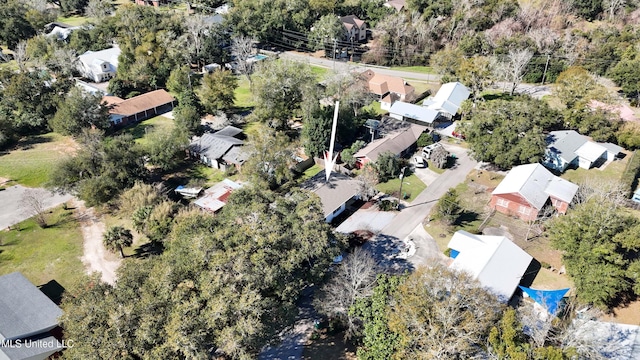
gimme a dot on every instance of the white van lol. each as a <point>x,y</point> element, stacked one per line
<point>426,151</point>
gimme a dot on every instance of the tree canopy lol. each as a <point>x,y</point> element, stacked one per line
<point>509,133</point>
<point>224,284</point>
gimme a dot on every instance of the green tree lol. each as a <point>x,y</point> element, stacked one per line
<point>575,87</point>
<point>188,113</point>
<point>325,33</point>
<point>116,238</point>
<point>179,81</point>
<point>270,159</point>
<point>14,27</point>
<point>73,6</point>
<point>316,134</point>
<point>217,91</point>
<point>166,150</point>
<point>388,166</point>
<point>278,88</point>
<point>27,101</point>
<point>588,9</point>
<point>597,241</point>
<point>136,197</point>
<point>507,340</point>
<point>509,133</point>
<point>347,154</point>
<point>80,110</point>
<point>101,169</point>
<point>448,207</point>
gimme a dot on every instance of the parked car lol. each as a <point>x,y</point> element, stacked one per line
<point>419,162</point>
<point>427,150</point>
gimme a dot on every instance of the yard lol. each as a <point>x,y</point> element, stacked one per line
<point>143,128</point>
<point>412,186</point>
<point>244,97</point>
<point>320,72</point>
<point>44,254</point>
<point>415,69</point>
<point>73,20</point>
<point>611,173</point>
<point>33,159</point>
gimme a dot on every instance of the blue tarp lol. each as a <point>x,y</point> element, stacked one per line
<point>550,299</point>
<point>453,253</point>
<point>180,187</point>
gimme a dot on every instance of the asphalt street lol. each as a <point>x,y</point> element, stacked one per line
<point>13,210</point>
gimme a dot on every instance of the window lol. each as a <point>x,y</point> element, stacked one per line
<point>502,202</point>
<point>524,210</point>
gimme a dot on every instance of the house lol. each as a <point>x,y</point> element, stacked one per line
<point>526,190</point>
<point>397,138</point>
<point>398,5</point>
<point>216,196</point>
<point>421,115</point>
<point>388,89</point>
<point>356,29</point>
<point>99,66</point>
<point>138,107</point>
<point>567,148</point>
<point>448,99</point>
<point>335,194</point>
<point>495,261</point>
<point>62,33</point>
<point>220,149</point>
<point>26,318</point>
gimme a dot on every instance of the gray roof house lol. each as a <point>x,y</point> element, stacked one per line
<point>220,149</point>
<point>567,148</point>
<point>26,317</point>
<point>335,194</point>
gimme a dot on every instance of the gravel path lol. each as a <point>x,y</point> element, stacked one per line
<point>96,258</point>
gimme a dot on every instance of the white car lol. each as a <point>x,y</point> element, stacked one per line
<point>426,151</point>
<point>419,162</point>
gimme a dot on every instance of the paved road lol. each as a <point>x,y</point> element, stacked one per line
<point>13,209</point>
<point>412,215</point>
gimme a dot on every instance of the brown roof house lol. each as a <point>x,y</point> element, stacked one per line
<point>335,194</point>
<point>389,89</point>
<point>139,107</point>
<point>220,149</point>
<point>26,318</point>
<point>356,29</point>
<point>396,137</point>
<point>527,189</point>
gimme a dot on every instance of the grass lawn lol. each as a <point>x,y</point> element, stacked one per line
<point>613,172</point>
<point>207,175</point>
<point>432,166</point>
<point>74,20</point>
<point>31,162</point>
<point>412,186</point>
<point>143,128</point>
<point>44,254</point>
<point>310,172</point>
<point>415,69</point>
<point>375,107</point>
<point>320,72</point>
<point>244,97</point>
<point>422,86</point>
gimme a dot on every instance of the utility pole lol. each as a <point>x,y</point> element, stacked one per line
<point>544,74</point>
<point>401,180</point>
<point>334,54</point>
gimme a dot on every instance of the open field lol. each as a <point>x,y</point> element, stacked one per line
<point>320,72</point>
<point>412,186</point>
<point>73,20</point>
<point>32,160</point>
<point>143,128</point>
<point>44,254</point>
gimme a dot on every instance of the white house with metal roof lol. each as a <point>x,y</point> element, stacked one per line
<point>411,112</point>
<point>448,99</point>
<point>99,66</point>
<point>566,148</point>
<point>495,261</point>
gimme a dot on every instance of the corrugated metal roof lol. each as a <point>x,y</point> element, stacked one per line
<point>591,151</point>
<point>535,183</point>
<point>449,98</point>
<point>495,261</point>
<point>412,111</point>
<point>214,146</point>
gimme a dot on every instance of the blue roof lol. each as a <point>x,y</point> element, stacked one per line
<point>549,299</point>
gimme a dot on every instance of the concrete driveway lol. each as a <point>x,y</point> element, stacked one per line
<point>12,209</point>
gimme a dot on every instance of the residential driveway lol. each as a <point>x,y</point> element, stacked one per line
<point>412,215</point>
<point>13,210</point>
<point>426,175</point>
<point>427,251</point>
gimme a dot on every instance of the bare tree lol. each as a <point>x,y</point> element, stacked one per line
<point>33,202</point>
<point>98,9</point>
<point>242,49</point>
<point>354,278</point>
<point>604,192</point>
<point>367,181</point>
<point>63,61</point>
<point>614,7</point>
<point>197,28</point>
<point>20,55</point>
<point>511,68</point>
